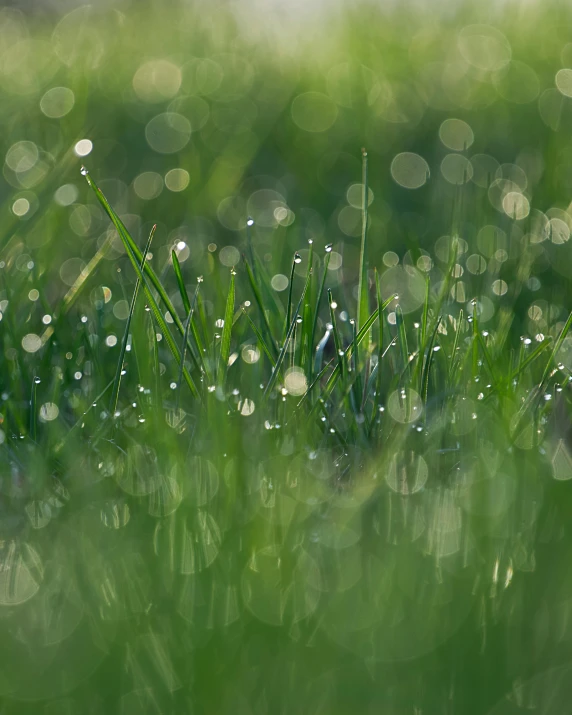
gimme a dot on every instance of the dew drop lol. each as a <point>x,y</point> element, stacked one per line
<point>83,171</point>
<point>329,247</point>
<point>297,258</point>
<point>250,221</point>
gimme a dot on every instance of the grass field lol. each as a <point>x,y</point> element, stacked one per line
<point>285,360</point>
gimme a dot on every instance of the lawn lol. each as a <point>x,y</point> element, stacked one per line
<point>285,356</point>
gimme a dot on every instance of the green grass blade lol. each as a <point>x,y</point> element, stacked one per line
<point>282,354</point>
<point>121,360</point>
<point>180,282</point>
<point>226,331</point>
<point>295,260</point>
<point>363,293</point>
<point>530,359</point>
<point>330,384</point>
<point>402,339</point>
<point>134,252</point>
<point>430,353</point>
<point>319,296</point>
<point>260,303</point>
<point>260,338</point>
<point>557,346</point>
<point>188,324</point>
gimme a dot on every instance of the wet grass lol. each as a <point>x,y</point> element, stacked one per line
<point>258,457</point>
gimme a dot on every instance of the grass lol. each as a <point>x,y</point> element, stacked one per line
<point>260,458</point>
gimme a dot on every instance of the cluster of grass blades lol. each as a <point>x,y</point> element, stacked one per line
<point>266,510</point>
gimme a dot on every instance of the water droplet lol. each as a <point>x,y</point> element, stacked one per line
<point>83,171</point>
<point>200,279</point>
<point>329,247</point>
<point>211,388</point>
<point>297,258</point>
<point>250,221</point>
<point>310,241</point>
<point>37,380</point>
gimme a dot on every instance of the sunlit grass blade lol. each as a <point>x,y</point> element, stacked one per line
<point>180,282</point>
<point>402,339</point>
<point>295,260</point>
<point>134,252</point>
<point>333,378</point>
<point>319,297</point>
<point>453,359</point>
<point>557,345</point>
<point>226,331</point>
<point>33,410</point>
<point>121,360</point>
<point>136,257</point>
<point>425,315</point>
<point>336,332</point>
<point>260,338</point>
<point>363,292</point>
<point>283,351</point>
<point>188,323</point>
<point>319,356</point>
<point>305,361</point>
<point>523,364</point>
<point>430,353</point>
<point>260,304</point>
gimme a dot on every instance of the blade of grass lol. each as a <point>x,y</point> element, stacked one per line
<point>135,257</point>
<point>557,346</point>
<point>295,260</point>
<point>121,360</point>
<point>348,352</point>
<point>531,358</point>
<point>363,299</point>
<point>226,331</point>
<point>428,362</point>
<point>180,282</point>
<point>259,302</point>
<point>282,354</point>
<point>188,323</point>
<point>260,338</point>
<point>319,300</point>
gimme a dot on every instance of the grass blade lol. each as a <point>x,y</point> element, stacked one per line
<point>363,293</point>
<point>259,302</point>
<point>121,361</point>
<point>136,257</point>
<point>180,282</point>
<point>557,346</point>
<point>282,354</point>
<point>226,331</point>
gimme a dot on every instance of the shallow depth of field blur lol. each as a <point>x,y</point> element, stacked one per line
<point>233,493</point>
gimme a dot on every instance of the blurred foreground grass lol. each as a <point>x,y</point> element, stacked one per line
<point>285,427</point>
